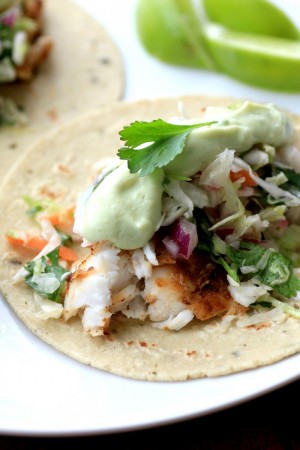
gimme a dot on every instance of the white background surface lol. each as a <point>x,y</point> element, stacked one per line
<point>45,392</point>
<point>147,77</point>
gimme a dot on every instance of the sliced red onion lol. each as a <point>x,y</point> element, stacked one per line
<point>213,188</point>
<point>172,246</point>
<point>224,232</point>
<point>282,223</point>
<point>265,243</point>
<point>9,17</point>
<point>184,235</point>
<point>246,192</point>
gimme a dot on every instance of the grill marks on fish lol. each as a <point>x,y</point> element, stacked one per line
<point>198,283</point>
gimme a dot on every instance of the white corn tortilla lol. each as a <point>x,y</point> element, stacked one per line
<point>83,72</point>
<point>135,349</point>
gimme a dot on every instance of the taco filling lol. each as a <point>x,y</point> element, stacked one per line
<point>194,220</point>
<point>22,46</point>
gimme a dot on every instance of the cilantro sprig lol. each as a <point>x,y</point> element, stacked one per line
<point>165,140</point>
<point>277,272</point>
<point>46,276</point>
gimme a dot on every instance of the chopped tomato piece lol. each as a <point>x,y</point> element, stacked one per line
<point>38,243</point>
<point>62,218</point>
<point>234,176</point>
<point>67,254</point>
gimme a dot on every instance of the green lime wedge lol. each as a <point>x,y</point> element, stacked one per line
<point>251,16</point>
<point>271,63</point>
<point>169,30</point>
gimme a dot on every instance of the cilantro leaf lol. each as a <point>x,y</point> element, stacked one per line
<point>165,140</point>
<point>247,255</point>
<point>205,235</point>
<point>158,154</point>
<point>231,270</point>
<point>46,276</point>
<point>290,287</point>
<point>277,272</point>
<point>138,133</point>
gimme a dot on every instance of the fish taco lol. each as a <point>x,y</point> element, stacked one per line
<point>159,240</point>
<point>82,71</point>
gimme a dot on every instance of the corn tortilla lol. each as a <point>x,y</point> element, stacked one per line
<point>83,72</point>
<point>135,349</point>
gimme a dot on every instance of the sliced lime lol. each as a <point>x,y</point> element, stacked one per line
<point>169,30</point>
<point>251,16</point>
<point>271,63</point>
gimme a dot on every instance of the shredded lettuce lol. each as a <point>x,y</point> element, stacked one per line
<point>293,178</point>
<point>246,293</point>
<point>20,48</point>
<point>256,158</point>
<point>278,179</point>
<point>288,309</point>
<point>46,276</point>
<point>216,179</point>
<point>47,309</point>
<point>278,194</point>
<point>273,214</point>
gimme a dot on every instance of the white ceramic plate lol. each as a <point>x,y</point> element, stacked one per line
<point>43,392</point>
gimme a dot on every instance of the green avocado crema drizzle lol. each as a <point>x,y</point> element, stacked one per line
<point>251,40</point>
<point>126,206</point>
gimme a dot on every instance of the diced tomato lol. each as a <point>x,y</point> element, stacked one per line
<point>234,176</point>
<point>62,218</point>
<point>67,254</point>
<point>38,243</point>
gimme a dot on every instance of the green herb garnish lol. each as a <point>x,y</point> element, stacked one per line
<point>46,276</point>
<point>277,272</point>
<point>249,254</point>
<point>165,140</point>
